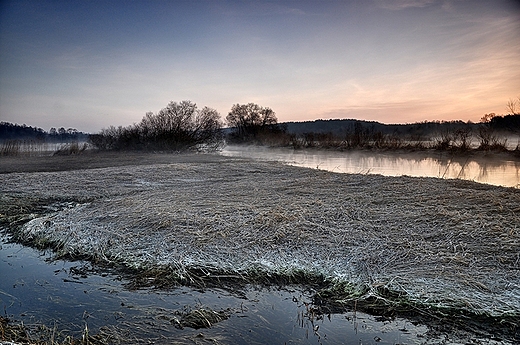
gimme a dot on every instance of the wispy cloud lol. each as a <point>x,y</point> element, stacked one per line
<point>404,4</point>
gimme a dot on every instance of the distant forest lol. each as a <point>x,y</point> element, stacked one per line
<point>11,131</point>
<point>418,130</point>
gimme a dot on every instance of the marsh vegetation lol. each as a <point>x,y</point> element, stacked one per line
<point>446,249</point>
<point>79,304</point>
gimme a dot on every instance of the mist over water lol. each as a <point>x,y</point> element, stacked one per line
<point>488,169</point>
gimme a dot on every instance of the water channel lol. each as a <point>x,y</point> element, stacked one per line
<point>494,169</point>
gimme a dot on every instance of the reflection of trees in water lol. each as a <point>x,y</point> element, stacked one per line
<point>480,169</point>
<point>484,169</point>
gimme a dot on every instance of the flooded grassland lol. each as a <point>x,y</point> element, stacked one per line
<point>444,250</point>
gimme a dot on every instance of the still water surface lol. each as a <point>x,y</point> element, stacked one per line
<point>503,171</point>
<point>58,294</point>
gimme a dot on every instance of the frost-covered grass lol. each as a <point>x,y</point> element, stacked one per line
<point>445,244</point>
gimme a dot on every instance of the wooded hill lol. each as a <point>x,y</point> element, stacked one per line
<point>12,131</point>
<point>338,128</point>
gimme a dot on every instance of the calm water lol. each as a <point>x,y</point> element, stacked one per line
<point>58,294</point>
<point>490,170</point>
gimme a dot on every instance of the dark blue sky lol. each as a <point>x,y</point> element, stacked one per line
<point>91,64</point>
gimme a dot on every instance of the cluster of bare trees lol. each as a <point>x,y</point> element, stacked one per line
<point>178,126</point>
<point>182,126</point>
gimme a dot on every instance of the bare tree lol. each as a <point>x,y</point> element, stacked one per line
<point>181,125</point>
<point>247,120</point>
<point>513,106</point>
<point>487,117</point>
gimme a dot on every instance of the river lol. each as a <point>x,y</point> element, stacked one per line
<point>499,170</point>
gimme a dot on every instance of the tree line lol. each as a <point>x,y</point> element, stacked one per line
<point>489,134</point>
<point>178,126</point>
<point>181,126</point>
<point>12,131</point>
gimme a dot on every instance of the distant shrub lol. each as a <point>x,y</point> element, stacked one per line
<point>443,141</point>
<point>462,138</point>
<point>489,140</point>
<point>10,148</point>
<point>453,138</point>
<point>73,148</point>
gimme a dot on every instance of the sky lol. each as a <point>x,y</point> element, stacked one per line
<point>90,64</point>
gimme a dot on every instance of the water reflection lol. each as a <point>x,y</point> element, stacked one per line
<point>59,294</point>
<point>495,170</point>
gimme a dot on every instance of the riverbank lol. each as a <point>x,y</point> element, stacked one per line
<point>448,248</point>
